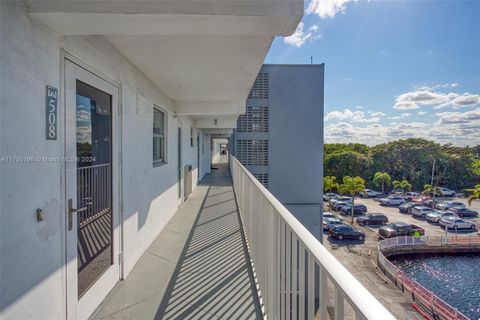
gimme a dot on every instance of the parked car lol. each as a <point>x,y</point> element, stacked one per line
<point>406,207</point>
<point>330,215</point>
<point>392,201</point>
<point>464,212</point>
<point>428,203</point>
<point>374,219</point>
<point>436,215</point>
<point>329,222</point>
<point>334,201</point>
<point>329,196</point>
<point>420,199</point>
<point>421,211</point>
<point>445,192</point>
<point>399,229</point>
<point>445,205</point>
<point>369,193</point>
<point>346,232</point>
<point>446,219</point>
<point>458,224</point>
<point>357,209</point>
<point>338,205</point>
<point>410,195</point>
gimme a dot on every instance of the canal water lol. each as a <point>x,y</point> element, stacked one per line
<point>453,278</point>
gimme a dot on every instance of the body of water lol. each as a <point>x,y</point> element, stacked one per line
<point>453,278</point>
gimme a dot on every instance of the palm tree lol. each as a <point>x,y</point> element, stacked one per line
<point>352,186</point>
<point>475,194</point>
<point>429,189</point>
<point>404,185</point>
<point>330,183</point>
<point>382,178</point>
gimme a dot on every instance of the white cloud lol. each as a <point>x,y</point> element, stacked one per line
<point>421,113</point>
<point>327,8</point>
<point>359,107</point>
<point>455,84</point>
<point>300,37</point>
<point>402,115</point>
<point>460,128</point>
<point>352,116</point>
<point>377,114</point>
<point>468,117</point>
<point>427,97</point>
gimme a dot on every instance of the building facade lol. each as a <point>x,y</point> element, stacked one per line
<point>280,137</point>
<point>107,111</point>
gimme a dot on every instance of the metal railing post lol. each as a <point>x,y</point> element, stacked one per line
<point>285,256</point>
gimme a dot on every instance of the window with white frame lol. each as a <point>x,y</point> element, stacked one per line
<point>159,136</point>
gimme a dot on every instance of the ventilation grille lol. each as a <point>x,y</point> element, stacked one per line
<point>252,152</point>
<point>260,87</point>
<point>262,178</point>
<point>254,120</point>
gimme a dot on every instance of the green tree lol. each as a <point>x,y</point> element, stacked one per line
<point>352,186</point>
<point>382,178</point>
<point>403,185</point>
<point>475,194</point>
<point>434,191</point>
<point>329,183</point>
<point>347,163</point>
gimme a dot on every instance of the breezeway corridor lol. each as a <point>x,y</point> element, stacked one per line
<point>197,268</point>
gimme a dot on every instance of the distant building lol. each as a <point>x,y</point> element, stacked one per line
<point>280,137</point>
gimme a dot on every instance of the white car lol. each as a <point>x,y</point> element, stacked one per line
<point>369,193</point>
<point>421,212</point>
<point>333,202</point>
<point>445,205</point>
<point>329,196</point>
<point>436,215</point>
<point>392,201</point>
<point>330,215</point>
<point>410,195</point>
<point>447,192</point>
<point>457,224</point>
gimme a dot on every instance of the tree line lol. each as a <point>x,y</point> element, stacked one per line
<point>410,160</point>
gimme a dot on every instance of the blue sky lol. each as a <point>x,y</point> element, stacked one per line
<point>393,69</point>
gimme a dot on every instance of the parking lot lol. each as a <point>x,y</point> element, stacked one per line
<point>359,257</point>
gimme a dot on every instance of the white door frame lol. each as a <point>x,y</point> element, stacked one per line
<point>180,161</point>
<point>82,308</point>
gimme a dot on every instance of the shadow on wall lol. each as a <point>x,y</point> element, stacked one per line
<point>213,276</point>
<point>143,209</point>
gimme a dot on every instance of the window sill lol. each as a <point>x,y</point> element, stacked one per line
<point>159,164</point>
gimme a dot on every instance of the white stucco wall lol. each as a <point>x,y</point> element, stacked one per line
<point>32,253</point>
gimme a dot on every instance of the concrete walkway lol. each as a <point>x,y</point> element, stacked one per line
<point>198,266</point>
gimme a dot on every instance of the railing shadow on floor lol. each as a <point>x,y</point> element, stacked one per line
<point>213,277</point>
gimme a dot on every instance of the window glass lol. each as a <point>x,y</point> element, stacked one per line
<point>159,130</point>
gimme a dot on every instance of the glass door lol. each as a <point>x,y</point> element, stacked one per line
<point>92,190</point>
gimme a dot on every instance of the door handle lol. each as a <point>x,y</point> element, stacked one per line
<point>70,212</point>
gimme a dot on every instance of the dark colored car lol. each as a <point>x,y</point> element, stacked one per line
<point>374,219</point>
<point>328,223</point>
<point>464,212</point>
<point>406,207</point>
<point>399,229</point>
<point>357,209</point>
<point>346,232</point>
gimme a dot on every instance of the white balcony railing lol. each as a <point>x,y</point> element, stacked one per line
<point>291,266</point>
